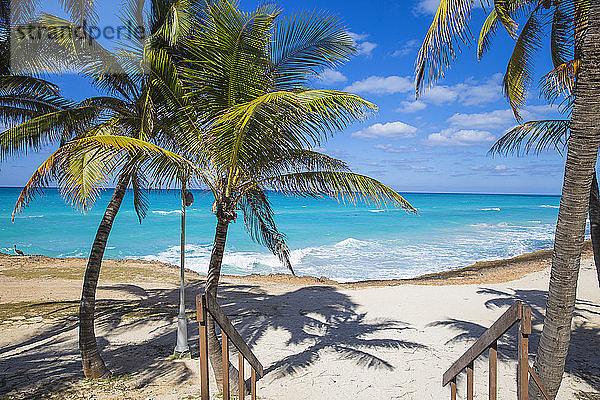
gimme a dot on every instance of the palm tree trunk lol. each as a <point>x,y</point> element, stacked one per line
<point>570,228</point>
<point>594,215</point>
<point>212,283</point>
<point>93,365</point>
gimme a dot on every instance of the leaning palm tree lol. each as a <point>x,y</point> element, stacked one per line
<point>135,106</point>
<point>573,26</point>
<point>247,76</point>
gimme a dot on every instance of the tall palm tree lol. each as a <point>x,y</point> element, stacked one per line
<point>247,76</point>
<point>136,106</point>
<point>573,50</point>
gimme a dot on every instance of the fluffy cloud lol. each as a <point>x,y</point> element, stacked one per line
<point>410,107</point>
<point>389,130</point>
<point>498,119</point>
<point>381,85</point>
<point>363,47</point>
<point>459,137</point>
<point>331,77</point>
<point>440,95</point>
<point>468,93</point>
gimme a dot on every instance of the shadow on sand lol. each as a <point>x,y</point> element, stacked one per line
<point>316,320</point>
<point>583,360</point>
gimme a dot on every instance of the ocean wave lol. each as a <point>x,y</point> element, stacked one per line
<point>490,209</point>
<point>548,206</point>
<point>159,212</point>
<point>377,211</point>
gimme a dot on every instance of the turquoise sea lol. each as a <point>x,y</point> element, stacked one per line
<point>344,243</point>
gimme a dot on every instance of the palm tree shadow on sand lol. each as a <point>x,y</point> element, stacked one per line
<point>583,360</point>
<point>318,321</point>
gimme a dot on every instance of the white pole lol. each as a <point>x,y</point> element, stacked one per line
<point>182,337</point>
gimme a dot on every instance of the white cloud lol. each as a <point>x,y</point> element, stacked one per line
<point>497,170</point>
<point>459,137</point>
<point>389,130</point>
<point>488,92</point>
<point>440,95</point>
<point>469,93</point>
<point>331,77</point>
<point>427,6</point>
<point>381,85</point>
<point>389,148</point>
<point>498,119</point>
<point>363,47</point>
<point>408,48</point>
<point>358,37</point>
<point>410,107</point>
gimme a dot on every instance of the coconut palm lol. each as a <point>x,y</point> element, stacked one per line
<point>134,78</point>
<point>247,76</point>
<point>536,136</point>
<point>572,35</point>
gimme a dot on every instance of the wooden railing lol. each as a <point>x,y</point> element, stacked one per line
<point>518,312</point>
<point>207,304</point>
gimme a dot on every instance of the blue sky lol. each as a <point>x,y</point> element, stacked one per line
<point>436,144</point>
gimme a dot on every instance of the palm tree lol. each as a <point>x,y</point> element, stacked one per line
<point>573,50</point>
<point>536,136</point>
<point>247,76</point>
<point>136,106</point>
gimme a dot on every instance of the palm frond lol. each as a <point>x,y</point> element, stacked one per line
<point>260,224</point>
<point>533,137</point>
<point>303,45</point>
<point>447,33</point>
<point>342,186</point>
<point>488,29</point>
<point>139,184</point>
<point>519,71</point>
<point>560,81</point>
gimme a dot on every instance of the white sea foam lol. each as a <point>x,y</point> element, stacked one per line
<point>376,211</point>
<point>548,206</point>
<point>490,209</point>
<point>352,259</point>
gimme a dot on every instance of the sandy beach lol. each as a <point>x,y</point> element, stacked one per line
<point>316,338</point>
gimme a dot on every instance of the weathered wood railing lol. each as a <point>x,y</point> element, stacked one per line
<point>207,304</point>
<point>518,312</point>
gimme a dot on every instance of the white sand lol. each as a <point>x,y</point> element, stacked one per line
<point>319,342</point>
<point>436,325</point>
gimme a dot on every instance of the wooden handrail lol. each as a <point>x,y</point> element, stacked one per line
<point>499,328</point>
<point>518,312</point>
<point>217,313</point>
<point>207,304</point>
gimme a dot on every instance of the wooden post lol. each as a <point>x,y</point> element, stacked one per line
<point>253,384</point>
<point>470,381</point>
<point>523,354</point>
<point>453,389</point>
<point>225,350</point>
<point>202,335</point>
<point>241,375</point>
<point>494,371</point>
